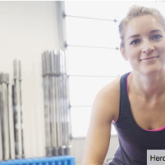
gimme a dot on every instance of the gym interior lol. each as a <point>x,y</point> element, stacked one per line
<point>56,56</point>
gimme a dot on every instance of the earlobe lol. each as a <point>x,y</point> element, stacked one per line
<point>122,50</point>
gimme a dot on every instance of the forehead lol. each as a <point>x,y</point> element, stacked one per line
<point>142,25</point>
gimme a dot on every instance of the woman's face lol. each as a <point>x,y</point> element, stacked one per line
<point>144,44</point>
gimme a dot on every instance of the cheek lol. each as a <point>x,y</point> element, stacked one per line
<point>133,60</point>
<point>161,50</point>
<point>133,54</point>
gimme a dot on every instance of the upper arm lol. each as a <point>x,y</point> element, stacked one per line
<point>98,136</point>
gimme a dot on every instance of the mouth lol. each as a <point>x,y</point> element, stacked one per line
<point>149,58</point>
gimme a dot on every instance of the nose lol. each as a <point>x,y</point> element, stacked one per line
<point>147,47</point>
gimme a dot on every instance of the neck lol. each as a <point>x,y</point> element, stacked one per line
<point>150,87</point>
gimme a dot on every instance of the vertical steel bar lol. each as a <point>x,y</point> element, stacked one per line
<point>53,90</point>
<point>49,66</point>
<point>46,101</point>
<point>45,96</point>
<point>14,121</point>
<point>21,110</point>
<point>11,122</point>
<point>5,132</point>
<point>68,123</point>
<point>56,65</point>
<point>58,103</point>
<point>18,140</point>
<point>5,78</point>
<point>63,102</point>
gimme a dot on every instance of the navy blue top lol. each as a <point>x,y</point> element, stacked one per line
<point>133,140</point>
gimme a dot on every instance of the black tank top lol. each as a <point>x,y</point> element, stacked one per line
<point>133,140</point>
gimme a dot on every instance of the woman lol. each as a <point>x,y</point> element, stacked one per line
<point>134,102</point>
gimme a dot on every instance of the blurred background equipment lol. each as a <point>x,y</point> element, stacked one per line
<point>4,78</point>
<point>56,103</point>
<point>11,119</point>
<point>56,114</point>
<point>17,109</point>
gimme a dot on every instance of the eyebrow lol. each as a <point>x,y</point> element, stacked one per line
<point>138,35</point>
<point>133,36</point>
<point>157,30</point>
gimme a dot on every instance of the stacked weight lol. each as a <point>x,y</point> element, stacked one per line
<point>56,104</point>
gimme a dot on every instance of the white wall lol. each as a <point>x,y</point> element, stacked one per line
<point>26,30</point>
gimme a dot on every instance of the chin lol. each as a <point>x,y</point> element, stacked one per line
<point>151,71</point>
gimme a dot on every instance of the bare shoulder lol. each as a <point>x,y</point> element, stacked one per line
<point>104,111</point>
<point>107,100</point>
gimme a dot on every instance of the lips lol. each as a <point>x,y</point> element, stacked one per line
<point>145,59</point>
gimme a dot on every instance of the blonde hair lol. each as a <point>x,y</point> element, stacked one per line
<point>136,11</point>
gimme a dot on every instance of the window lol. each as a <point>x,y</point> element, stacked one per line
<point>92,48</point>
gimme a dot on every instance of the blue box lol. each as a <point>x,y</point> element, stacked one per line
<point>55,160</point>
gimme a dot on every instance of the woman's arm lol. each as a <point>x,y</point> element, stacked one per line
<point>99,132</point>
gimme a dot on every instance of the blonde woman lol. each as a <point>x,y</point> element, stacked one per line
<point>134,102</point>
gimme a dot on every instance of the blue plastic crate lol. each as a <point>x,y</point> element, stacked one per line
<point>55,160</point>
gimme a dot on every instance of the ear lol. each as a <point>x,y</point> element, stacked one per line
<point>122,50</point>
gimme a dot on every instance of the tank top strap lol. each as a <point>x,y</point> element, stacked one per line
<point>124,108</point>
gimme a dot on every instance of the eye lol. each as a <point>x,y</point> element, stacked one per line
<point>134,42</point>
<point>156,37</point>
